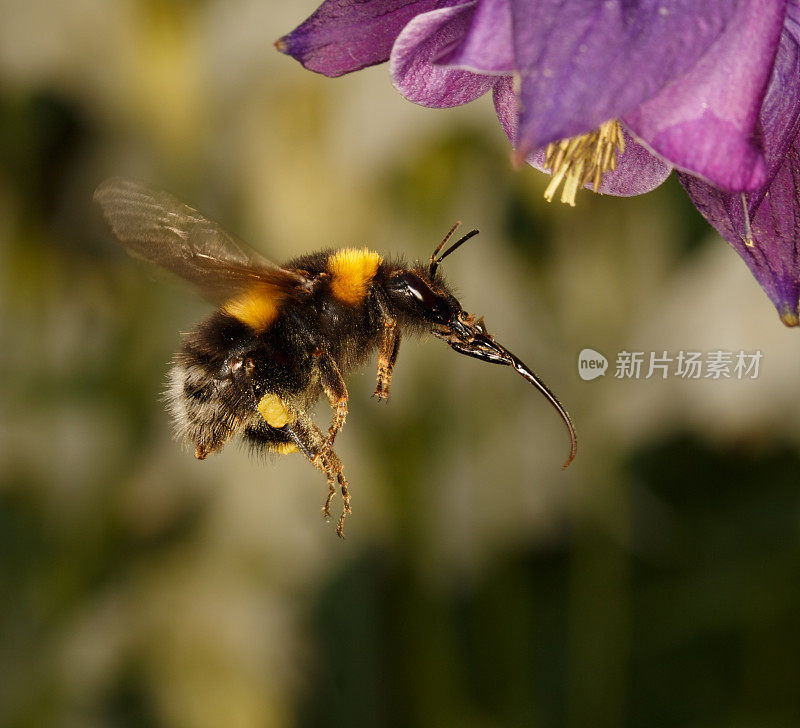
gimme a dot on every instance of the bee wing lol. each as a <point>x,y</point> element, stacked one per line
<point>158,227</point>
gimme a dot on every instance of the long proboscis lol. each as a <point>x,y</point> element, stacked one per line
<point>485,348</point>
<point>530,375</point>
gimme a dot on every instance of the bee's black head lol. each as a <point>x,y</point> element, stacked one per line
<point>421,300</point>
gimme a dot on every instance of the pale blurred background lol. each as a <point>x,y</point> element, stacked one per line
<point>656,582</point>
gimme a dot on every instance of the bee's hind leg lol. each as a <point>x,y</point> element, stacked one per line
<point>336,392</point>
<point>346,510</point>
<point>314,445</point>
<point>331,466</point>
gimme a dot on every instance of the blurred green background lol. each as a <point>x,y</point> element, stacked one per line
<point>656,582</point>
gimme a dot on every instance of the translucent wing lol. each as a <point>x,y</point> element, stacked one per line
<point>158,227</point>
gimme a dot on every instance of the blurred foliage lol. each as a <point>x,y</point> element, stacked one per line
<point>654,583</point>
<point>706,633</point>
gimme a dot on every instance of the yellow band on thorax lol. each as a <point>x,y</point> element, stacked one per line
<point>352,271</point>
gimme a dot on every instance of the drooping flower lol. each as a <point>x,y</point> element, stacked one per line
<point>763,226</point>
<point>611,95</point>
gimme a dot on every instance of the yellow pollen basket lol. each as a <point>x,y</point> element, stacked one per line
<point>283,448</point>
<point>257,308</point>
<point>352,270</point>
<point>582,159</point>
<point>273,410</point>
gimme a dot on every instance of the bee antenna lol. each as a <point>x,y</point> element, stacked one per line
<point>457,244</point>
<point>436,260</point>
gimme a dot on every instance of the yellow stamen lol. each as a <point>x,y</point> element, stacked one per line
<point>582,159</point>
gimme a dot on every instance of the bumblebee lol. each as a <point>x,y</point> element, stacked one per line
<point>284,335</point>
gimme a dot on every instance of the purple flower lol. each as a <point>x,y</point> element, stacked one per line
<point>611,94</point>
<point>763,226</point>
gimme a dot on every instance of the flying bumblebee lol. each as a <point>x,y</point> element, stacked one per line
<point>284,335</point>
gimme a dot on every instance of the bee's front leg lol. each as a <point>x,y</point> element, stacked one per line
<point>336,392</point>
<point>387,356</point>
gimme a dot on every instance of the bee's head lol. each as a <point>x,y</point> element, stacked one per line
<point>422,302</point>
<point>422,299</point>
<point>202,400</point>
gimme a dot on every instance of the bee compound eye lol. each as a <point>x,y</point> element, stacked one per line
<point>434,306</point>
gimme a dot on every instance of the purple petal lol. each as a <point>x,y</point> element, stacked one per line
<point>704,123</point>
<point>347,35</point>
<point>780,112</point>
<point>487,46</point>
<point>637,170</point>
<point>793,12</point>
<point>582,63</point>
<point>423,40</point>
<point>774,211</point>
